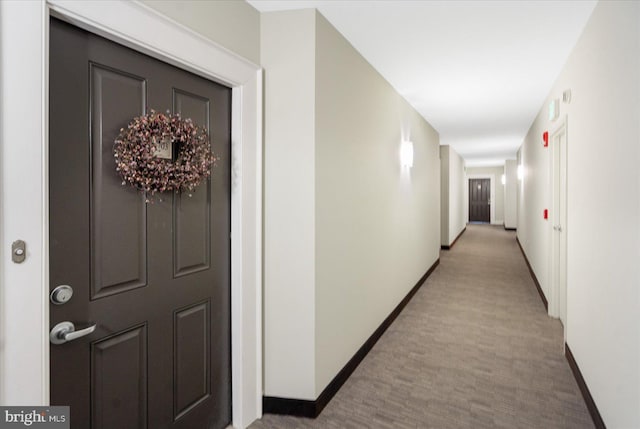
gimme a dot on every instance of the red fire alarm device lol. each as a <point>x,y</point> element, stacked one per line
<point>546,214</point>
<point>545,138</point>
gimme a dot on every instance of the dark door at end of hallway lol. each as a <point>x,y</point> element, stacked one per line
<point>479,200</point>
<point>153,278</point>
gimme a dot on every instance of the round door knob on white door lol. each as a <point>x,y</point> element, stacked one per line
<point>66,331</point>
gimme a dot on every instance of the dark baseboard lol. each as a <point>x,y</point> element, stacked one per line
<point>588,399</point>
<point>533,276</point>
<point>454,241</point>
<point>306,408</point>
<point>290,407</point>
<point>510,229</point>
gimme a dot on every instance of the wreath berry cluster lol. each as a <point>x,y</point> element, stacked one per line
<point>135,152</point>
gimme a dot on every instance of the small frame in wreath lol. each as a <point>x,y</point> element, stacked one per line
<point>163,147</point>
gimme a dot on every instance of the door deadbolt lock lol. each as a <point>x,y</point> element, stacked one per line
<point>61,294</point>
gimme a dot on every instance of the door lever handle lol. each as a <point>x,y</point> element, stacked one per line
<point>66,331</point>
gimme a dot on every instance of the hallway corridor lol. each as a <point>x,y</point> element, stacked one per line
<point>473,349</point>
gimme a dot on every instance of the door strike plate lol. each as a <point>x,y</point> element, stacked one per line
<point>18,251</point>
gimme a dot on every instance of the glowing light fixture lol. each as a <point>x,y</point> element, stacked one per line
<point>406,154</point>
<point>554,109</point>
<point>503,179</point>
<point>520,172</point>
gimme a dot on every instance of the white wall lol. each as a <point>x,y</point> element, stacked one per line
<point>534,195</point>
<point>603,232</point>
<point>457,221</point>
<point>377,224</point>
<point>451,195</point>
<point>233,24</point>
<point>497,191</point>
<point>288,56</point>
<point>444,195</point>
<point>511,193</point>
<point>347,231</point>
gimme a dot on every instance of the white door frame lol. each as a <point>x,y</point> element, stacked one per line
<point>558,230</point>
<point>492,198</point>
<point>24,183</point>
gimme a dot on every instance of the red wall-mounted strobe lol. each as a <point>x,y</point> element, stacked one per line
<point>545,138</point>
<point>545,214</point>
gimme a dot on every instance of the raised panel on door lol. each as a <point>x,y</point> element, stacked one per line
<point>192,210</point>
<point>119,380</point>
<point>118,213</point>
<point>192,347</point>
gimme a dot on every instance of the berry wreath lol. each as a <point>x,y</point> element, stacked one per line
<point>159,153</point>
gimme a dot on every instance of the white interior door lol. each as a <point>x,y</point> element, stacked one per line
<point>559,218</point>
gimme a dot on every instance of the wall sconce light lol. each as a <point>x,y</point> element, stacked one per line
<point>406,154</point>
<point>520,172</point>
<point>503,179</point>
<point>554,109</point>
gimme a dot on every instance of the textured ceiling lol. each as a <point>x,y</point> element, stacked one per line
<point>478,71</point>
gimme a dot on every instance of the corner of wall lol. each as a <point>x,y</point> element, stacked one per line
<point>288,55</point>
<point>444,195</point>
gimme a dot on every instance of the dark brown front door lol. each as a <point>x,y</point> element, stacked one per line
<point>154,278</point>
<point>479,195</point>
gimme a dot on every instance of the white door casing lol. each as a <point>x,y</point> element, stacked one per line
<point>558,254</point>
<point>24,50</point>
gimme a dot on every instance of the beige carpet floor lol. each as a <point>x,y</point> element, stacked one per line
<point>473,349</point>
